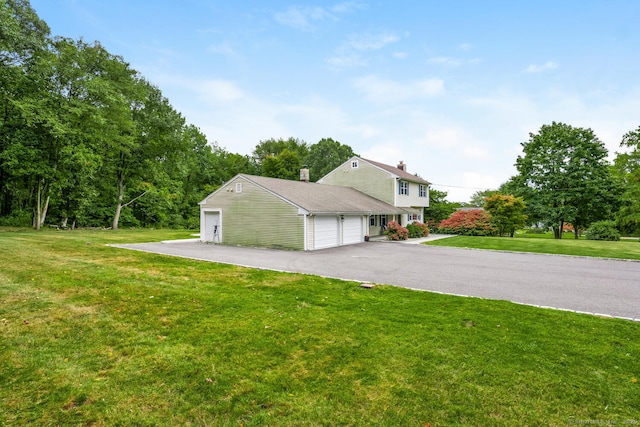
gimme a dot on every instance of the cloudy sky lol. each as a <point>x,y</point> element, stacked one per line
<point>452,88</point>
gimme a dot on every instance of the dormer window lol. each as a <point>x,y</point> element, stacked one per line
<point>403,188</point>
<point>354,164</point>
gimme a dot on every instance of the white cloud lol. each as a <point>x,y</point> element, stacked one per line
<point>346,61</point>
<point>219,90</point>
<point>465,46</point>
<point>222,49</point>
<point>382,90</point>
<point>349,54</point>
<point>445,60</point>
<point>347,7</point>
<point>453,62</point>
<point>306,18</point>
<point>475,153</point>
<point>303,18</point>
<point>369,41</point>
<point>550,65</point>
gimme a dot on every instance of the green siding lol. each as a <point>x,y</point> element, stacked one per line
<point>366,178</point>
<point>255,217</point>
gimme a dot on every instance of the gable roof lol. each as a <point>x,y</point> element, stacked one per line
<point>398,172</point>
<point>322,198</point>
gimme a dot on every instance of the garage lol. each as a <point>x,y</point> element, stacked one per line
<point>326,232</point>
<point>352,230</point>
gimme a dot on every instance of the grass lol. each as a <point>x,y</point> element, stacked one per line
<point>545,243</point>
<point>95,335</point>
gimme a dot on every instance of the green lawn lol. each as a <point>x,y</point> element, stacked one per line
<point>95,335</point>
<point>544,243</point>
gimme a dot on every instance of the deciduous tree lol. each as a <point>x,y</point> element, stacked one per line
<point>627,171</point>
<point>507,212</point>
<point>568,175</point>
<point>325,155</point>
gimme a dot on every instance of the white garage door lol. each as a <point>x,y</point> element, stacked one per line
<point>326,232</point>
<point>352,230</point>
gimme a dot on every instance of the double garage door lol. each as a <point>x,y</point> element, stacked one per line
<point>328,231</point>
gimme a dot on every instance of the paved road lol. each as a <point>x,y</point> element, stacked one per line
<point>588,285</point>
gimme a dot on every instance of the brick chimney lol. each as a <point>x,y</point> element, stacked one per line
<point>402,166</point>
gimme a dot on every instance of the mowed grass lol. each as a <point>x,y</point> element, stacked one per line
<point>546,244</point>
<point>96,335</point>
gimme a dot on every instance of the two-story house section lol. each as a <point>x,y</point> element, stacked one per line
<point>390,184</point>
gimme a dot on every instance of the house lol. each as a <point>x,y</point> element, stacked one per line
<point>392,185</point>
<point>259,211</point>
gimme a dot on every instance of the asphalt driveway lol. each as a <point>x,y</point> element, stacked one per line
<point>590,285</point>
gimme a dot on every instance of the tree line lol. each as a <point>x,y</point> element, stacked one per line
<point>565,179</point>
<point>85,140</point>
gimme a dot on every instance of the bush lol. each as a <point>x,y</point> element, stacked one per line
<point>603,230</point>
<point>417,229</point>
<point>395,231</point>
<point>20,218</point>
<point>476,222</point>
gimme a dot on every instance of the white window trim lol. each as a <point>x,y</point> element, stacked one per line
<point>403,188</point>
<point>238,187</point>
<point>354,164</point>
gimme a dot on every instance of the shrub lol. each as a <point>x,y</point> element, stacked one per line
<point>476,222</point>
<point>395,231</point>
<point>603,230</point>
<point>417,229</point>
<point>20,218</point>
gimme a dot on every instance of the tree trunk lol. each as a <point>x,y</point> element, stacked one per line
<point>41,211</point>
<point>576,233</point>
<point>116,217</point>
<point>43,217</point>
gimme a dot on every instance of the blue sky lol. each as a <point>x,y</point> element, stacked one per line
<point>451,88</point>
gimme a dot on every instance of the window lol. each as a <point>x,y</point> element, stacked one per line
<point>424,191</point>
<point>383,221</point>
<point>372,221</point>
<point>238,187</point>
<point>354,164</point>
<point>403,188</point>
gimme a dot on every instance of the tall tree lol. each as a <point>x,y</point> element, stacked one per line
<point>569,177</point>
<point>23,35</point>
<point>325,155</point>
<point>280,158</point>
<point>627,171</point>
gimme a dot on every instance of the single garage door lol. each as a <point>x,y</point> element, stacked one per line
<point>326,232</point>
<point>352,230</point>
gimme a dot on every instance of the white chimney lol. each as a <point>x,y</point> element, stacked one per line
<point>304,174</point>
